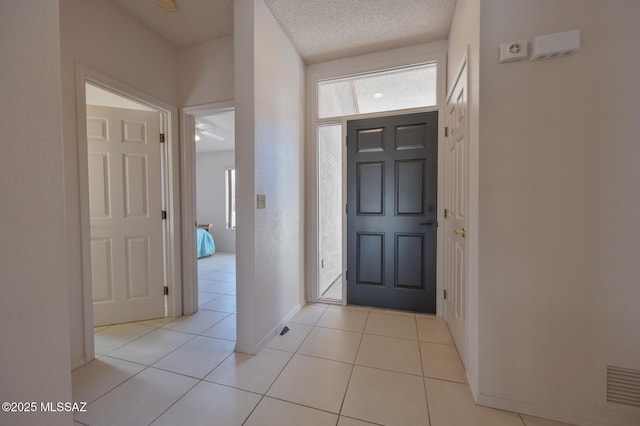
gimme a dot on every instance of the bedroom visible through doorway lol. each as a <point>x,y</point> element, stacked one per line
<point>215,178</point>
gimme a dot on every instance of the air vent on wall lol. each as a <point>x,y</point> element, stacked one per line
<point>623,386</point>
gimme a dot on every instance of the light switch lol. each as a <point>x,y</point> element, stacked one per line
<point>262,201</point>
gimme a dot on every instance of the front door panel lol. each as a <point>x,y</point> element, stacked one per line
<point>391,218</point>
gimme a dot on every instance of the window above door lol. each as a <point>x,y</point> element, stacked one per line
<point>405,88</point>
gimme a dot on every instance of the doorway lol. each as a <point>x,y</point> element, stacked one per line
<point>208,132</point>
<point>148,269</point>
<point>216,212</point>
<point>392,174</point>
<point>456,204</point>
<point>125,169</point>
<point>335,101</point>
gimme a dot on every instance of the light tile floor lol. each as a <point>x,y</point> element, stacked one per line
<point>345,366</point>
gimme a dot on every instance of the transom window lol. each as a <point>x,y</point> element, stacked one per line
<point>410,87</point>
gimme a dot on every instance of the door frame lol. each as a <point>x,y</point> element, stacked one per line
<point>169,126</point>
<point>188,117</point>
<point>470,355</point>
<point>366,64</point>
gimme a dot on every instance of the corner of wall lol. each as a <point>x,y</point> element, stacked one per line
<point>35,326</point>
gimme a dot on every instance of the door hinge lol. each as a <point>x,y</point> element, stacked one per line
<point>166,290</point>
<point>161,137</point>
<point>346,140</point>
<point>346,275</point>
<point>446,213</point>
<point>164,215</point>
<point>346,208</point>
<point>445,294</point>
<point>446,132</point>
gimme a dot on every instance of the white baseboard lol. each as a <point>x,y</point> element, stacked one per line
<point>582,418</point>
<point>78,361</point>
<point>254,349</point>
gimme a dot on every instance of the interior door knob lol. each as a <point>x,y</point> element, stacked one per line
<point>462,232</point>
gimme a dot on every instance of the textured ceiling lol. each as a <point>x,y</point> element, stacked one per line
<point>193,21</point>
<point>325,30</point>
<point>321,30</point>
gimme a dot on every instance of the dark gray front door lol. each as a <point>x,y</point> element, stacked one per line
<point>391,211</point>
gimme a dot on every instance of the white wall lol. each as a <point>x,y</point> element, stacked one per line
<point>34,307</point>
<point>100,35</point>
<point>269,96</point>
<point>558,209</point>
<point>210,196</point>
<point>205,72</point>
<point>464,41</point>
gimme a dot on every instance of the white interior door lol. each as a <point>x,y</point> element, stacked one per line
<point>456,213</point>
<point>125,202</point>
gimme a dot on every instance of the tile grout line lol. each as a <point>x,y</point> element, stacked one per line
<point>393,337</point>
<point>303,355</point>
<point>353,367</point>
<point>215,324</point>
<point>296,352</point>
<point>176,401</point>
<point>270,386</point>
<point>253,410</point>
<point>152,329</point>
<point>302,405</point>
<point>193,336</point>
<point>424,380</point>
<point>231,387</point>
<point>186,375</point>
<point>360,420</point>
<point>426,397</point>
<point>280,373</point>
<point>198,381</point>
<point>118,385</point>
<point>419,349</point>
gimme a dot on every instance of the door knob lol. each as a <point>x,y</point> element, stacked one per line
<point>462,232</point>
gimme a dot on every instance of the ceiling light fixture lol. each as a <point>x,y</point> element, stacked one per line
<point>197,137</point>
<point>377,95</point>
<point>167,5</point>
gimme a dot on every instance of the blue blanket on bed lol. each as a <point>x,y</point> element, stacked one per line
<point>206,246</point>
